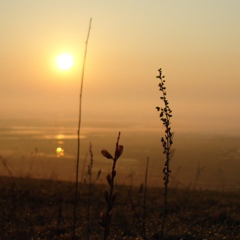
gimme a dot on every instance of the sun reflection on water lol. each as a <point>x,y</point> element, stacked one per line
<point>60,152</point>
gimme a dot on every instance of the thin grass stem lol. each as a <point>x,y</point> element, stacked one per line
<point>78,133</point>
<point>145,201</point>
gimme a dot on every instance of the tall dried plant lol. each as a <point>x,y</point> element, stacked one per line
<point>167,141</point>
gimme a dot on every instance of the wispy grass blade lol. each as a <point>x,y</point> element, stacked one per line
<point>79,131</point>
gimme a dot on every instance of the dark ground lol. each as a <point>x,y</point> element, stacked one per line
<point>43,209</point>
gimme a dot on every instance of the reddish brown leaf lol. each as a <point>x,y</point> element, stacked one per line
<point>106,154</point>
<point>119,151</point>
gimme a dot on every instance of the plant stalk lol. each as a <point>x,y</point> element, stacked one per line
<point>78,133</point>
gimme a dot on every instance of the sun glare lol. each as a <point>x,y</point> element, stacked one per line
<point>65,61</point>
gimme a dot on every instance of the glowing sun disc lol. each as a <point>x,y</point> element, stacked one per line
<point>65,61</point>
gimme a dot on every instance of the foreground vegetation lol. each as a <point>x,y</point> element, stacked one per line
<point>43,209</point>
<point>47,209</point>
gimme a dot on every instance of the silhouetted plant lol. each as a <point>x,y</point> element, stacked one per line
<point>110,196</point>
<point>90,166</point>
<point>98,174</point>
<point>4,163</point>
<point>145,202</point>
<point>83,175</point>
<point>78,135</point>
<point>165,116</point>
<point>197,176</point>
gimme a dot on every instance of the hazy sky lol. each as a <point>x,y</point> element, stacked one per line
<point>196,43</point>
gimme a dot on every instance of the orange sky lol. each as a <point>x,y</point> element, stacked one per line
<point>196,43</point>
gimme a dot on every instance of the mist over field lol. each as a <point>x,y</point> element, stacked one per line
<point>48,148</point>
<point>164,74</point>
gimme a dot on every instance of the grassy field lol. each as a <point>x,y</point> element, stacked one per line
<point>43,209</point>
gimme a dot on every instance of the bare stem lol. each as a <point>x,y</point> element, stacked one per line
<point>145,201</point>
<point>90,166</point>
<point>78,133</point>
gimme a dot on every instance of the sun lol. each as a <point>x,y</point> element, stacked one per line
<point>65,61</point>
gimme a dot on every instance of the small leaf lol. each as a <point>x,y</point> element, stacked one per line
<point>158,108</point>
<point>109,179</point>
<point>119,151</point>
<point>106,154</point>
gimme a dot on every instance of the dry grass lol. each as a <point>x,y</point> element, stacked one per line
<point>42,209</point>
